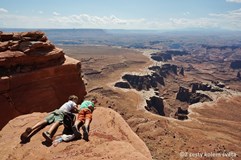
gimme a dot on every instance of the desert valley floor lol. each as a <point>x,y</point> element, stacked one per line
<point>211,127</point>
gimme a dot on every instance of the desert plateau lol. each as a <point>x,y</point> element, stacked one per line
<point>160,96</point>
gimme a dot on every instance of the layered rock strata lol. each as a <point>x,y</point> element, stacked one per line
<point>35,75</point>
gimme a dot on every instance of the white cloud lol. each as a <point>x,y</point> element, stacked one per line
<point>40,12</point>
<point>226,20</point>
<point>56,13</point>
<point>193,23</point>
<point>2,10</point>
<point>229,20</point>
<point>234,1</point>
<point>85,20</point>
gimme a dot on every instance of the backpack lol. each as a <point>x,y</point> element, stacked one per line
<point>68,121</point>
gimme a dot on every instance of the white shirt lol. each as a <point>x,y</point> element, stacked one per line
<point>68,106</point>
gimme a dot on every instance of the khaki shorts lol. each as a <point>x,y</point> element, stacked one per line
<point>55,116</point>
<point>84,114</point>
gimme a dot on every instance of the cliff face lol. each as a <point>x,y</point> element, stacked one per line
<point>191,97</point>
<point>35,75</point>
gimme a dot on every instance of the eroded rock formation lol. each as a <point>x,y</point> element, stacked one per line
<point>191,97</point>
<point>144,82</point>
<point>181,114</point>
<point>165,69</point>
<point>215,87</point>
<point>167,55</point>
<point>35,75</point>
<point>27,51</point>
<point>183,94</point>
<point>122,85</point>
<point>181,72</point>
<point>161,57</point>
<point>155,105</point>
<point>200,86</point>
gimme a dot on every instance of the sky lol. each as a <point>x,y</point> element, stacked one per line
<point>122,14</point>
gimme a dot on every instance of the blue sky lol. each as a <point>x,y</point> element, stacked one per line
<point>121,14</point>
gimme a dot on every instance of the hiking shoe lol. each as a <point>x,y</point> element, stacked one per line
<point>86,133</point>
<point>47,136</point>
<point>77,134</point>
<point>25,134</point>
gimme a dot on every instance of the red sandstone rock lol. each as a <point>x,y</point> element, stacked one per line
<point>27,51</point>
<point>41,90</point>
<point>6,36</point>
<point>41,80</point>
<point>110,138</point>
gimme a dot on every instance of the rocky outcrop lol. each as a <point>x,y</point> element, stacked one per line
<point>181,114</point>
<point>215,87</point>
<point>140,82</point>
<point>155,105</point>
<point>198,97</point>
<point>181,72</point>
<point>183,94</point>
<point>165,69</point>
<point>37,77</point>
<point>161,57</point>
<point>122,85</point>
<point>110,138</point>
<point>191,97</point>
<point>200,86</point>
<point>144,82</point>
<point>27,51</point>
<point>167,55</point>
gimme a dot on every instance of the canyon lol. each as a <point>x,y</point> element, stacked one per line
<point>175,100</point>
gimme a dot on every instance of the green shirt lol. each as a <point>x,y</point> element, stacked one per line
<point>86,104</point>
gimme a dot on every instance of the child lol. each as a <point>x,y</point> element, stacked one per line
<point>55,117</point>
<point>84,118</point>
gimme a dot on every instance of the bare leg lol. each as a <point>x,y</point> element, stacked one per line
<point>76,124</point>
<point>53,127</point>
<point>86,129</point>
<point>29,130</point>
<point>39,124</point>
<point>87,123</point>
<point>75,129</point>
